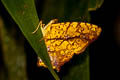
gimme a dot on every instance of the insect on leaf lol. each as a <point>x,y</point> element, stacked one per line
<point>65,39</point>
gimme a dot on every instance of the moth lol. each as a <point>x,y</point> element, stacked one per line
<point>65,39</point>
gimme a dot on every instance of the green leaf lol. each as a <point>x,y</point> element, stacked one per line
<point>65,10</point>
<point>95,4</point>
<point>24,14</point>
<point>80,69</point>
<point>70,10</point>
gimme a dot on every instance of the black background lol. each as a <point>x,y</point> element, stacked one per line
<point>105,51</point>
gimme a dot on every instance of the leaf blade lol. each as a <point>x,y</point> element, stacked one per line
<point>24,14</point>
<point>95,4</point>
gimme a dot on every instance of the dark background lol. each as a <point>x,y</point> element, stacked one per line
<point>104,52</point>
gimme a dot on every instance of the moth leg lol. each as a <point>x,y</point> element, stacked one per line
<point>44,27</point>
<point>39,25</point>
<point>51,22</point>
